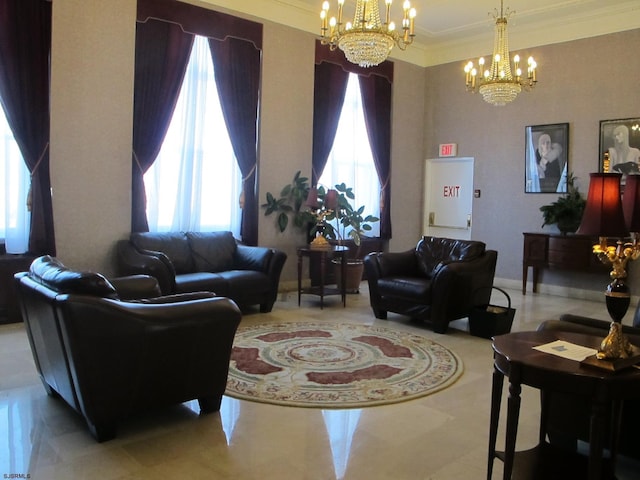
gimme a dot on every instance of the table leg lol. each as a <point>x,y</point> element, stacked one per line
<point>323,258</point>
<point>513,413</point>
<point>343,272</point>
<point>536,272</point>
<point>496,399</point>
<point>596,440</point>
<point>616,419</point>
<point>525,273</point>
<point>299,277</point>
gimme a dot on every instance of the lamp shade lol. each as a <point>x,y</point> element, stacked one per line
<point>603,215</point>
<point>331,199</point>
<point>631,203</point>
<point>312,198</point>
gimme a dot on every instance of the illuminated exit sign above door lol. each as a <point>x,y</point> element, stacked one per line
<point>448,149</point>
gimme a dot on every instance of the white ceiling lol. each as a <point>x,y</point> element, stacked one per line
<point>454,30</point>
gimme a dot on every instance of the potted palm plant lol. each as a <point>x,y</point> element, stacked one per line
<point>566,212</point>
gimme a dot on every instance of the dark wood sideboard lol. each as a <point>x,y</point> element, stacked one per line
<point>557,251</point>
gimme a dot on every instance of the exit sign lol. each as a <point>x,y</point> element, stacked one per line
<point>448,149</point>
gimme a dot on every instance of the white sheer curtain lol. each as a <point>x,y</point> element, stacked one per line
<point>14,178</point>
<point>194,184</point>
<point>351,160</point>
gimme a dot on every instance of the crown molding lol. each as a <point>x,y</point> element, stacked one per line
<point>564,22</point>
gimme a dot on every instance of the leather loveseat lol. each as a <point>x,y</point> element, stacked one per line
<point>438,281</point>
<point>205,261</point>
<point>568,416</point>
<point>109,358</point>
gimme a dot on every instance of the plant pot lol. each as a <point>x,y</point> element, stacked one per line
<point>353,274</point>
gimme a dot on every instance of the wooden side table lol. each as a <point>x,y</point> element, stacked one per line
<point>515,358</point>
<point>323,255</point>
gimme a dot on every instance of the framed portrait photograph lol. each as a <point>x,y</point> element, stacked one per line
<point>621,140</point>
<point>546,158</point>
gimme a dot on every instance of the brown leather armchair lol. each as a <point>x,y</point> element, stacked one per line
<point>568,416</point>
<point>109,358</point>
<point>440,280</point>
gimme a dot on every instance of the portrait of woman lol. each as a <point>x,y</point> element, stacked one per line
<point>546,158</point>
<point>620,139</point>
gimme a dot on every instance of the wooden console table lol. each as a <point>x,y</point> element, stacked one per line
<point>515,358</point>
<point>557,251</point>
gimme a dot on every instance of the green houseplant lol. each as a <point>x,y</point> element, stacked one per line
<point>339,224</point>
<point>566,212</point>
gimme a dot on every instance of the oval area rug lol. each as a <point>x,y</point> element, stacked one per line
<point>336,365</point>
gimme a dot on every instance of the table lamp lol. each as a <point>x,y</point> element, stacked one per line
<point>604,217</point>
<point>322,205</point>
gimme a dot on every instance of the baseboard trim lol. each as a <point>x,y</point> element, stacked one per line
<point>558,290</point>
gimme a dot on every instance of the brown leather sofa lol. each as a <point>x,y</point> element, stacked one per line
<point>109,357</point>
<point>205,261</point>
<point>438,281</point>
<point>568,416</point>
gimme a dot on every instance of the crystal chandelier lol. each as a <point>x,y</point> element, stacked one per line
<point>498,85</point>
<point>367,41</point>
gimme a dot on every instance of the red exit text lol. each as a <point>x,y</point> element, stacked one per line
<point>452,190</point>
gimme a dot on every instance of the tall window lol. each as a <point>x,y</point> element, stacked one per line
<point>351,160</point>
<point>14,178</point>
<point>194,184</point>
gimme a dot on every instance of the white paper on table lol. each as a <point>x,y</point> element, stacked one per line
<point>567,350</point>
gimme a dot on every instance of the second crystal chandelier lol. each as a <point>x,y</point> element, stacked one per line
<point>499,84</point>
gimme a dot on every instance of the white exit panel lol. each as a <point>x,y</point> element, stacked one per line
<point>448,198</point>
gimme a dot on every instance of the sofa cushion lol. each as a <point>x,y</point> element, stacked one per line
<point>431,251</point>
<point>173,244</point>
<point>414,289</point>
<point>50,272</point>
<point>202,281</point>
<point>212,251</point>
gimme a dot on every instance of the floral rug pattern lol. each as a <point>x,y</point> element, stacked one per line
<point>336,365</point>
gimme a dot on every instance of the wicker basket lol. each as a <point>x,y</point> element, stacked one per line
<point>488,321</point>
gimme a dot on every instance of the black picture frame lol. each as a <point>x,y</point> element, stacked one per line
<point>627,145</point>
<point>546,172</point>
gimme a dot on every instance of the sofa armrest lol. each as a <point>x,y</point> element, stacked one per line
<point>385,264</point>
<point>458,286</point>
<point>252,258</point>
<point>133,287</point>
<point>132,261</point>
<point>177,297</point>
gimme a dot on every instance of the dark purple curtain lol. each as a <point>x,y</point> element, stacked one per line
<point>330,86</point>
<point>376,101</point>
<point>162,54</point>
<point>25,45</point>
<point>375,85</point>
<point>158,85</point>
<point>237,71</point>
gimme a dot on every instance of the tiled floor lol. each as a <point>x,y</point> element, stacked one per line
<point>438,437</point>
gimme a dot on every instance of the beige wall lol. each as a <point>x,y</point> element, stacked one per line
<point>91,128</point>
<point>581,83</point>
